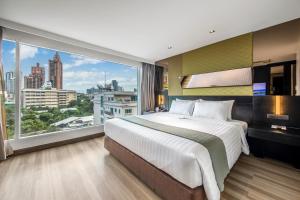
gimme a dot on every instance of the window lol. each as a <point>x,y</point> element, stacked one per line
<point>62,91</point>
<point>9,74</point>
<point>128,111</point>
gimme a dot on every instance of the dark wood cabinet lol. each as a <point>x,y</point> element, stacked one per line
<point>283,145</point>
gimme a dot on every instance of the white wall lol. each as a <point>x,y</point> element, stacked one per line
<point>40,38</point>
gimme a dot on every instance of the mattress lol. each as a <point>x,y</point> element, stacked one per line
<point>183,159</point>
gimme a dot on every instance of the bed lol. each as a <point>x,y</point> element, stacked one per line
<point>174,167</point>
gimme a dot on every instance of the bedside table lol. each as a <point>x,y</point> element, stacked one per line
<point>283,145</point>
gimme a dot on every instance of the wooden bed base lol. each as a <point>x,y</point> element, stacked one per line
<point>161,183</point>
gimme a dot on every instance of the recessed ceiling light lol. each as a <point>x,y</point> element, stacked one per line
<point>170,47</point>
<point>212,31</point>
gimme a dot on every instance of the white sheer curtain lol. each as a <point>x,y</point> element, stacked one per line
<point>2,109</point>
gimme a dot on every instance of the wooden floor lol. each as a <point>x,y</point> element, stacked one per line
<point>85,171</point>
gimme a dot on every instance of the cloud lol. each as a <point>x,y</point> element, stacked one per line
<point>83,75</point>
<point>26,52</point>
<point>80,60</point>
<point>82,80</point>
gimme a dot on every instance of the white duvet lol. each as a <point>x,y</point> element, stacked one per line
<point>183,159</point>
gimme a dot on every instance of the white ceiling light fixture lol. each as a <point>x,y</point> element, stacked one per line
<point>212,31</point>
<point>170,47</point>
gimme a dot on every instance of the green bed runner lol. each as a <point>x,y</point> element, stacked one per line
<point>213,144</point>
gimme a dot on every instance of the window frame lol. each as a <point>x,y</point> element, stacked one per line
<point>19,142</point>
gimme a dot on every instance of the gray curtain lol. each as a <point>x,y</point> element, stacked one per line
<point>147,87</point>
<point>2,109</point>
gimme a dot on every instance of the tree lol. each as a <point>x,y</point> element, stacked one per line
<point>45,117</point>
<point>72,103</point>
<point>30,125</point>
<point>29,116</point>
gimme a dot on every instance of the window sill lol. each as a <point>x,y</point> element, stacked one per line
<point>50,138</point>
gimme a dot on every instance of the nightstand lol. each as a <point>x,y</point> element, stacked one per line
<point>283,145</point>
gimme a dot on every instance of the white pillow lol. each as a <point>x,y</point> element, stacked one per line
<point>188,100</point>
<point>211,109</point>
<point>229,105</point>
<point>182,107</point>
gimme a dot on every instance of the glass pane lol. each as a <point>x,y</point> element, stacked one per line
<point>9,68</point>
<point>63,91</point>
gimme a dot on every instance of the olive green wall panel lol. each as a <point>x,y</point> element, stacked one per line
<point>228,54</point>
<point>174,70</point>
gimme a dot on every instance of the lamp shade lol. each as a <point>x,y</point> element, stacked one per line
<point>161,100</point>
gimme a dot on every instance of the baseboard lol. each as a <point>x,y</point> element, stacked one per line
<point>56,144</point>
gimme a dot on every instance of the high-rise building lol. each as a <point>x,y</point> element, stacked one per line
<point>37,77</point>
<point>115,85</point>
<point>10,82</point>
<point>56,72</point>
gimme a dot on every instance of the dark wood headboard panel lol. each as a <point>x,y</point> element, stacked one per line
<point>242,108</point>
<point>263,105</point>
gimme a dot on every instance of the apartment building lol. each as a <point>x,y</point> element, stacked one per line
<point>108,105</point>
<point>46,98</point>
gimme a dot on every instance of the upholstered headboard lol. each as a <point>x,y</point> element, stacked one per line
<point>242,108</point>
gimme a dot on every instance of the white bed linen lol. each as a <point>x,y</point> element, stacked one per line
<point>183,159</point>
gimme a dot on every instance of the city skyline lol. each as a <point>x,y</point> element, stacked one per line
<point>79,73</point>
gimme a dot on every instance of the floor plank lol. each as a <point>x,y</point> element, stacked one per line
<point>85,170</point>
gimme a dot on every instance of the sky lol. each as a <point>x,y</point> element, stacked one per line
<point>79,73</point>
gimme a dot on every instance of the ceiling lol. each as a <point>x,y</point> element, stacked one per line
<point>146,28</point>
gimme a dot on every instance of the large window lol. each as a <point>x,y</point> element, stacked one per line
<point>61,91</point>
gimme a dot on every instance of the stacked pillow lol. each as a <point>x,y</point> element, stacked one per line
<point>200,108</point>
<point>228,104</point>
<point>182,107</point>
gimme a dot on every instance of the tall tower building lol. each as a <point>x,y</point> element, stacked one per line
<point>56,72</point>
<point>115,85</point>
<point>10,82</point>
<point>37,77</point>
